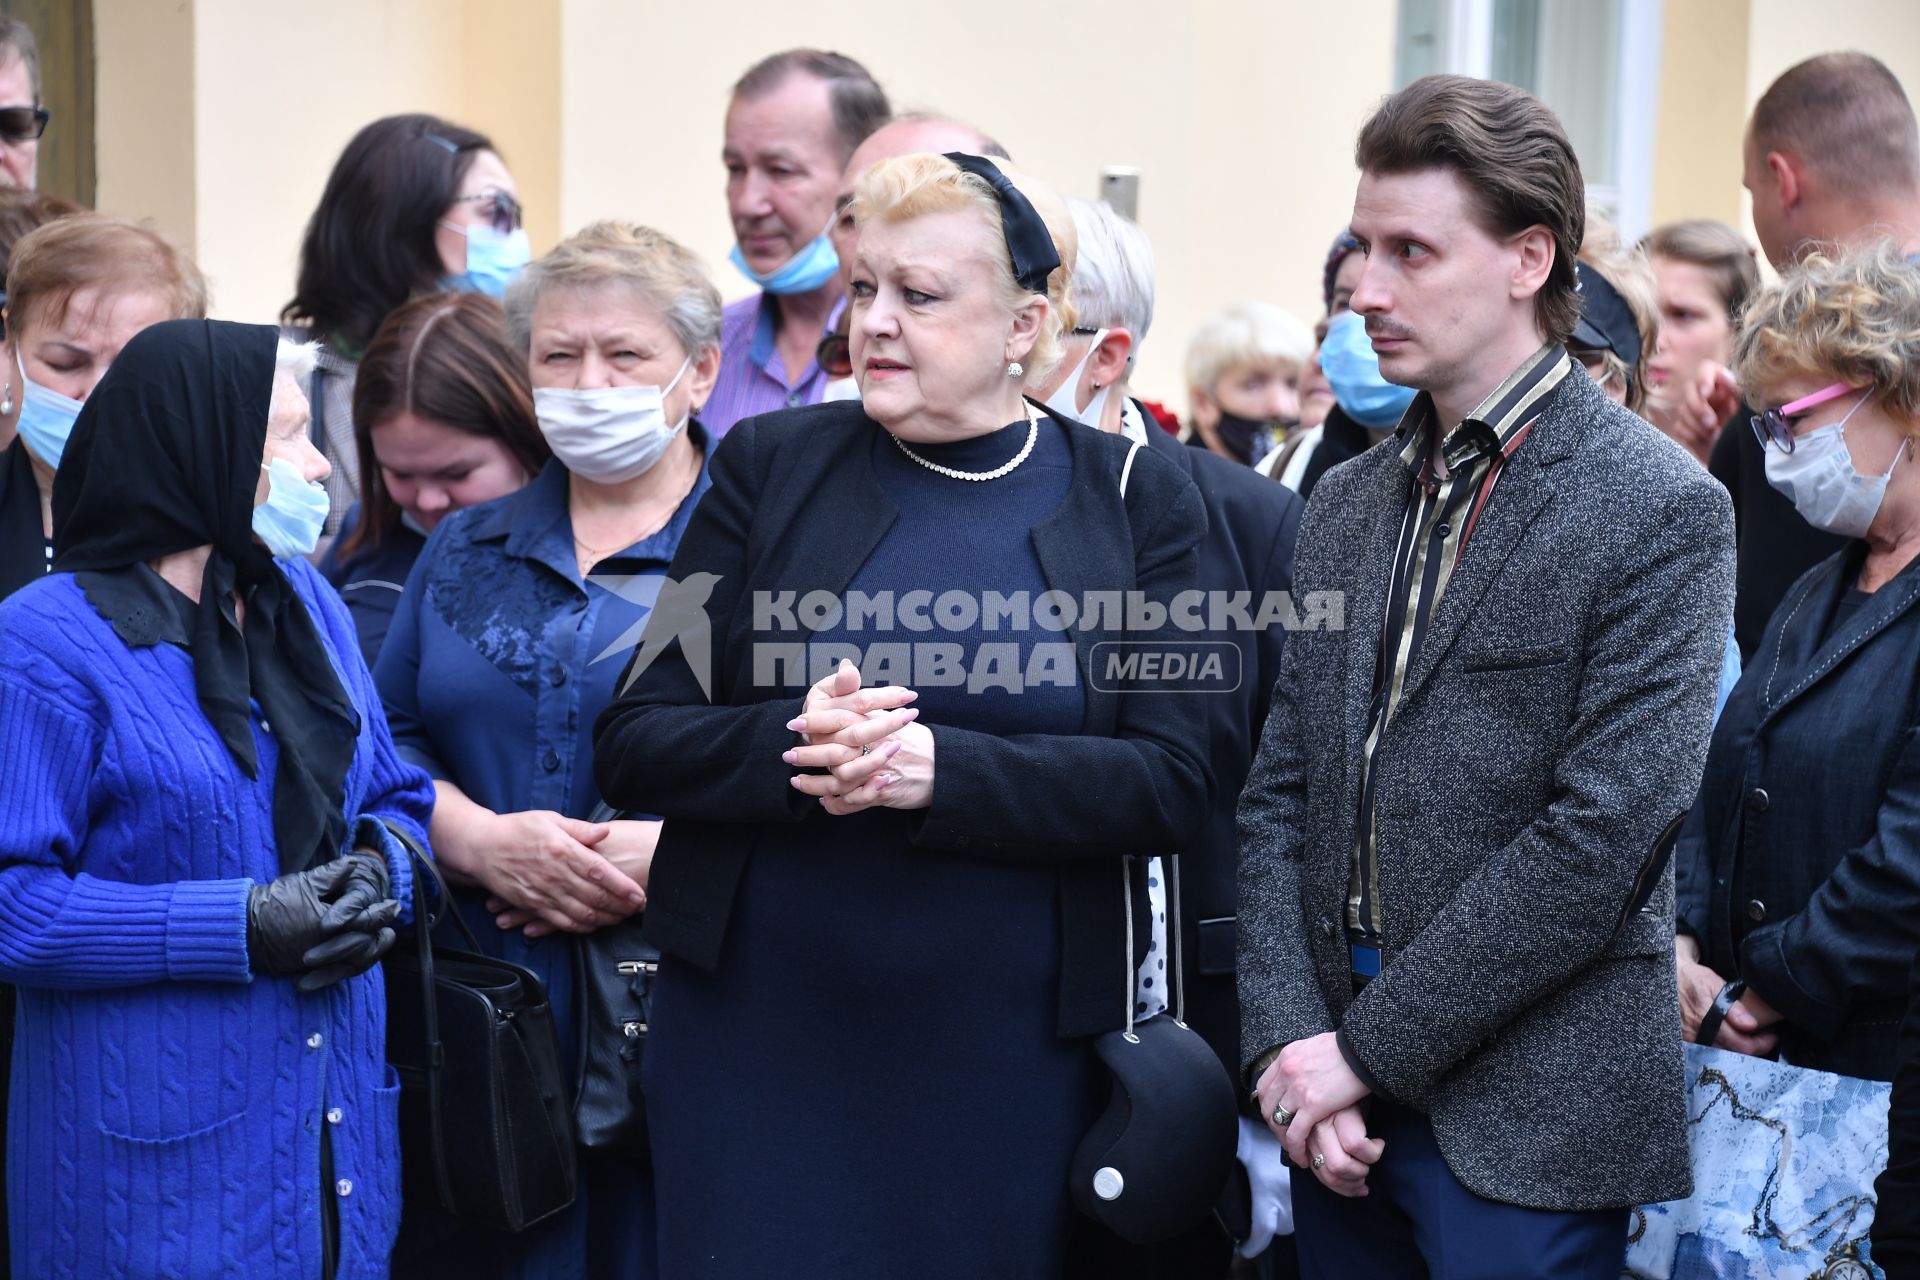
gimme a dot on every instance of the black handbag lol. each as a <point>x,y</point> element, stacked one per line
<point>614,972</point>
<point>484,1127</point>
<point>1156,1160</point>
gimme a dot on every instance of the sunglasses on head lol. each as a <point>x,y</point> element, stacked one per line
<point>1775,426</point>
<point>23,124</point>
<point>499,208</point>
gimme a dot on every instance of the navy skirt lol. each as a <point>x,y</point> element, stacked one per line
<point>870,1084</point>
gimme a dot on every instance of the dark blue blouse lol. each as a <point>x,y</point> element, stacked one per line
<point>500,657</point>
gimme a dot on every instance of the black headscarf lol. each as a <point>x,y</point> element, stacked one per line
<point>166,457</point>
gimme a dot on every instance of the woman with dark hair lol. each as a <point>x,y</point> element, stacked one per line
<point>442,419</point>
<point>414,204</point>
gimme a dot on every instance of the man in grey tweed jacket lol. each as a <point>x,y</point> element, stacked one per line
<point>1456,946</point>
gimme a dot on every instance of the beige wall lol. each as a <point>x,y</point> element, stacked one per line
<point>220,119</point>
<point>1240,118</point>
<point>145,154</point>
<point>1703,81</point>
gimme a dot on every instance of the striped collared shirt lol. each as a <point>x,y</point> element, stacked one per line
<point>1454,476</point>
<point>753,379</point>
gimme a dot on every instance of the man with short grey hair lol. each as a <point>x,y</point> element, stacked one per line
<point>793,123</point>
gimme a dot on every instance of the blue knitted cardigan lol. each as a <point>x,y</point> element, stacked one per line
<point>168,1104</point>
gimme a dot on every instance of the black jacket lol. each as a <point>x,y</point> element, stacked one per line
<point>1341,438</point>
<point>1775,545</point>
<point>1252,523</point>
<point>1799,866</point>
<point>795,507</point>
<point>23,542</point>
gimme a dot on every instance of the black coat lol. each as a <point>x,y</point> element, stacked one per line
<point>795,507</point>
<point>1252,523</point>
<point>23,540</point>
<point>1775,545</point>
<point>1799,867</point>
<point>1896,1216</point>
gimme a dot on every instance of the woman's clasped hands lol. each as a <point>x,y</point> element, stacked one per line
<point>869,742</point>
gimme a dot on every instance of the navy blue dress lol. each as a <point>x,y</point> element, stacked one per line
<point>871,1083</point>
<point>371,579</point>
<point>497,662</point>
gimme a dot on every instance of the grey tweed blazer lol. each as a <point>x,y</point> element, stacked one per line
<point>1555,721</point>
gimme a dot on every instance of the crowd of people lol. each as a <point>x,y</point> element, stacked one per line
<point>951,734</point>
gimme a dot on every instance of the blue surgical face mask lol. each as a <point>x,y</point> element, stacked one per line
<point>46,417</point>
<point>1353,371</point>
<point>295,512</point>
<point>805,271</point>
<point>494,258</point>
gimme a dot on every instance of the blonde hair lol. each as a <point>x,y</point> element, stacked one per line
<point>657,269</point>
<point>1854,319</point>
<point>1716,248</point>
<point>1631,276</point>
<point>86,250</point>
<point>915,186</point>
<point>1245,333</point>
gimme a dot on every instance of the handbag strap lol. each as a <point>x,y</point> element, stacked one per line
<point>1176,970</point>
<point>424,922</point>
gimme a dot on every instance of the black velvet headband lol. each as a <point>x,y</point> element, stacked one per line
<point>1029,243</point>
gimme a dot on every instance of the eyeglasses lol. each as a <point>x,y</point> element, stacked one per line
<point>834,355</point>
<point>22,124</point>
<point>499,208</point>
<point>1775,426</point>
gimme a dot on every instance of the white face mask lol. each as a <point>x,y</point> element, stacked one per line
<point>608,434</point>
<point>1064,397</point>
<point>1819,477</point>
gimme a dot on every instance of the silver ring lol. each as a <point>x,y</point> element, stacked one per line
<point>1319,1161</point>
<point>866,749</point>
<point>1282,1116</point>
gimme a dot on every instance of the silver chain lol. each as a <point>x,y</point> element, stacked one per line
<point>1033,434</point>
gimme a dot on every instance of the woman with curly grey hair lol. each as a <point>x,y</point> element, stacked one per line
<point>1799,869</point>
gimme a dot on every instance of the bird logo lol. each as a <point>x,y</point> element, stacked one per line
<point>676,611</point>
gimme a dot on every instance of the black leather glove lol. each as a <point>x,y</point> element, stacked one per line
<point>324,923</point>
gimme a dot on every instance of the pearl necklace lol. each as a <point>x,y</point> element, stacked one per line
<point>1033,434</point>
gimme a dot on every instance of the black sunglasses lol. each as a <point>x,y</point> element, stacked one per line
<point>23,124</point>
<point>499,208</point>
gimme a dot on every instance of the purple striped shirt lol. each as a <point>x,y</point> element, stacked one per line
<point>752,377</point>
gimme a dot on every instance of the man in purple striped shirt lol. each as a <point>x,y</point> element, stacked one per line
<point>792,125</point>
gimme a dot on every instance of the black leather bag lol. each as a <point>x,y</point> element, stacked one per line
<point>615,968</point>
<point>1157,1159</point>
<point>484,1125</point>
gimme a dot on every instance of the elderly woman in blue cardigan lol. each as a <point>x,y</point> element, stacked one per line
<point>198,868</point>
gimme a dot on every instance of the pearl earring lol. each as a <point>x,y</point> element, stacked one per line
<point>6,399</point>
<point>1015,369</point>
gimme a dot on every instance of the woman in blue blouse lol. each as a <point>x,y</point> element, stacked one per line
<point>513,627</point>
<point>196,870</point>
